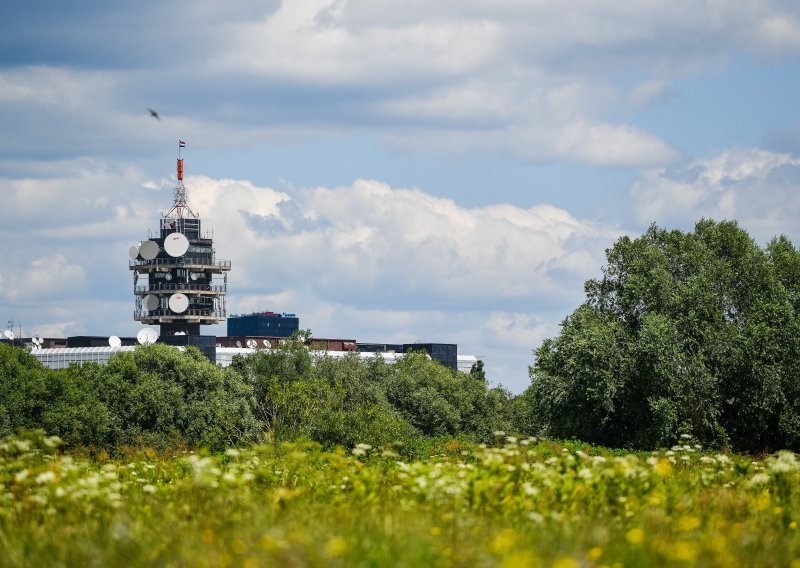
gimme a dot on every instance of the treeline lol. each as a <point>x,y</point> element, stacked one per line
<point>160,397</point>
<point>686,333</point>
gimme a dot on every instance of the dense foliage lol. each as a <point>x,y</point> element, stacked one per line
<point>160,397</point>
<point>524,503</point>
<point>686,333</point>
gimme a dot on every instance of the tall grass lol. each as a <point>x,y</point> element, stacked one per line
<point>521,503</point>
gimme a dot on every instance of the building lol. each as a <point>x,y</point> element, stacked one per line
<point>263,324</point>
<point>178,282</point>
<point>445,353</point>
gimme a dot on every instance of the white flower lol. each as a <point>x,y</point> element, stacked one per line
<point>358,452</point>
<point>45,477</point>
<point>232,452</point>
<point>149,488</point>
<point>365,447</point>
<point>758,479</point>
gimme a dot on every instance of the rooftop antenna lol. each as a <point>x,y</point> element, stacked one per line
<point>179,207</point>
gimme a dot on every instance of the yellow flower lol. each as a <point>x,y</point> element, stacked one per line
<point>566,562</point>
<point>684,551</point>
<point>503,542</point>
<point>663,468</point>
<point>635,536</point>
<point>337,546</point>
<point>436,531</point>
<point>688,524</point>
<point>594,553</point>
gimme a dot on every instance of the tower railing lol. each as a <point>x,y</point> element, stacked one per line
<point>181,261</point>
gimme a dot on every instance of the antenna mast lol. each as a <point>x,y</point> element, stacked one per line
<point>179,206</point>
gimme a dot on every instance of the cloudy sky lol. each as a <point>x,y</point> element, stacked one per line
<point>447,171</point>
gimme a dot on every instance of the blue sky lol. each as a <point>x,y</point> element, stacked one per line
<point>390,171</point>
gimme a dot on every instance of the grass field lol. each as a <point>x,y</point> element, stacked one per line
<point>521,503</point>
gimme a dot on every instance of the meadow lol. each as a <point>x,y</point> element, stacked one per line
<point>519,502</point>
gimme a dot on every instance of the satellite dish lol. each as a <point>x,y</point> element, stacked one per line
<point>193,276</point>
<point>150,302</point>
<point>180,333</point>
<point>39,340</point>
<point>36,342</point>
<point>9,335</point>
<point>178,303</point>
<point>176,244</point>
<point>168,277</point>
<point>251,343</point>
<point>149,250</point>
<point>146,336</point>
<point>238,343</point>
<point>133,252</point>
<point>114,341</point>
<point>266,343</point>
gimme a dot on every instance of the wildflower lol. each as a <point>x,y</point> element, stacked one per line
<point>232,452</point>
<point>635,536</point>
<point>594,554</point>
<point>148,488</point>
<point>758,479</point>
<point>45,477</point>
<point>336,546</point>
<point>358,452</point>
<point>365,447</point>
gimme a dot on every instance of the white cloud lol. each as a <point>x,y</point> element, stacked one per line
<point>755,186</point>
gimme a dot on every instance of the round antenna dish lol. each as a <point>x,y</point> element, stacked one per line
<point>39,339</point>
<point>238,343</point>
<point>266,343</point>
<point>133,252</point>
<point>150,302</point>
<point>148,250</point>
<point>193,276</point>
<point>180,333</point>
<point>176,244</point>
<point>114,341</point>
<point>168,277</point>
<point>146,336</point>
<point>251,343</point>
<point>9,334</point>
<point>178,303</point>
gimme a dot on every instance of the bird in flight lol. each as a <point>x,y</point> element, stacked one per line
<point>154,114</point>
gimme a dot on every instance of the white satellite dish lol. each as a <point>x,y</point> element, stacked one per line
<point>149,250</point>
<point>9,335</point>
<point>114,341</point>
<point>178,303</point>
<point>176,244</point>
<point>251,343</point>
<point>38,339</point>
<point>36,343</point>
<point>168,277</point>
<point>266,343</point>
<point>133,252</point>
<point>146,336</point>
<point>238,343</point>
<point>180,333</point>
<point>193,276</point>
<point>150,302</point>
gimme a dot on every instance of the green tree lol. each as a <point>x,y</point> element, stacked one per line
<point>685,333</point>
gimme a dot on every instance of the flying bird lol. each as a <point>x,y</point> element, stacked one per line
<point>154,114</point>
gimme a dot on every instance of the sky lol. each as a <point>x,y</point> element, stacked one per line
<point>447,171</point>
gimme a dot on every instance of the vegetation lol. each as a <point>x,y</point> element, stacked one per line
<point>524,503</point>
<point>160,397</point>
<point>686,333</point>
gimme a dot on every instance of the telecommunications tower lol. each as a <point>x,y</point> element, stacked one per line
<point>178,282</point>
